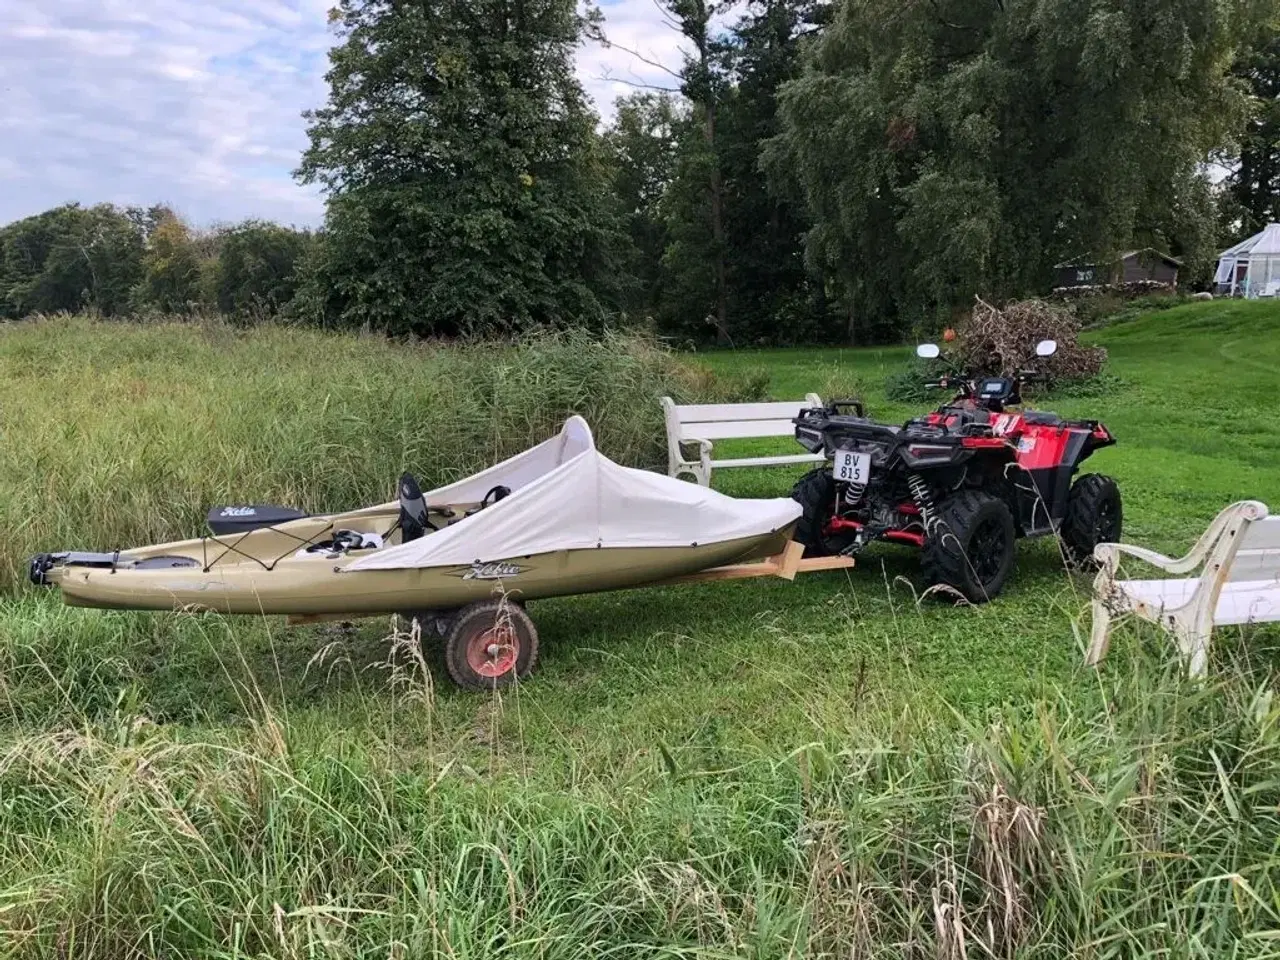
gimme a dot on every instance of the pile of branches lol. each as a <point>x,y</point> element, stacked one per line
<point>998,341</point>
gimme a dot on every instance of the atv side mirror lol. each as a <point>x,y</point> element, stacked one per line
<point>928,351</point>
<point>1046,348</point>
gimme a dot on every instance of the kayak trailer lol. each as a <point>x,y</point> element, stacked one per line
<point>462,560</point>
<point>492,643</point>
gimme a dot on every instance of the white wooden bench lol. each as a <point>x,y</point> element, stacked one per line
<point>1239,582</point>
<point>697,425</point>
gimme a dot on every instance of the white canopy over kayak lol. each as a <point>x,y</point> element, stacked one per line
<point>567,495</point>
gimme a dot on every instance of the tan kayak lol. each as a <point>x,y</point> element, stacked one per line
<point>558,519</point>
<point>267,572</point>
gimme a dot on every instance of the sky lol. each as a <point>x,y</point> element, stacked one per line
<point>198,103</point>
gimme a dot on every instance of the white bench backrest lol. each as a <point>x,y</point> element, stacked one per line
<point>724,421</point>
<point>1258,556</point>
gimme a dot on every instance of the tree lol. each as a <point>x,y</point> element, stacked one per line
<point>696,214</point>
<point>170,279</point>
<point>70,258</point>
<point>773,297</point>
<point>957,147</point>
<point>256,270</point>
<point>732,265</point>
<point>642,142</point>
<point>1253,188</point>
<point>467,187</point>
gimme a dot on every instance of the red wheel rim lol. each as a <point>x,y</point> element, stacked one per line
<point>493,653</point>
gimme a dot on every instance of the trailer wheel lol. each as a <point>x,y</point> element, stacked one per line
<point>490,645</point>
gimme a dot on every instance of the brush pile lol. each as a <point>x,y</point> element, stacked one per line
<point>996,341</point>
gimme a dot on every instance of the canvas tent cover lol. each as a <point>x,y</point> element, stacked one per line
<point>566,495</point>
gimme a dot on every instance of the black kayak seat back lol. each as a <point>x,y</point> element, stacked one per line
<point>242,519</point>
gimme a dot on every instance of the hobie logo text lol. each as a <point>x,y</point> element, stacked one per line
<point>492,571</point>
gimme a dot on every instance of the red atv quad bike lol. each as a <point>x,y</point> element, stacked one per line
<point>962,484</point>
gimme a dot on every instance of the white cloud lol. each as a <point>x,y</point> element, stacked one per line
<point>199,104</point>
<point>643,50</point>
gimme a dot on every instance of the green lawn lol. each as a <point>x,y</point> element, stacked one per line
<point>649,791</point>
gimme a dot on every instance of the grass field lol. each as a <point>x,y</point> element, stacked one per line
<point>755,769</point>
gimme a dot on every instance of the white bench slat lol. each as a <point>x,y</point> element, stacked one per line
<point>1248,601</point>
<point>1241,601</point>
<point>737,412</point>
<point>1259,553</point>
<point>1160,594</point>
<point>1262,534</point>
<point>770,461</point>
<point>1254,565</point>
<point>725,430</point>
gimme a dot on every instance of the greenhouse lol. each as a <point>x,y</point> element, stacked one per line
<point>1252,267</point>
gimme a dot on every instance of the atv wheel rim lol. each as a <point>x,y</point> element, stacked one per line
<point>493,653</point>
<point>987,550</point>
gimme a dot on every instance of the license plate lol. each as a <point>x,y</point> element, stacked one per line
<point>852,467</point>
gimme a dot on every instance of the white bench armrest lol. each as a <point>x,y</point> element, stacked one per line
<point>704,446</point>
<point>1108,554</point>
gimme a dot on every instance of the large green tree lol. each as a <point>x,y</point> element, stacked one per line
<point>773,297</point>
<point>734,267</point>
<point>1253,187</point>
<point>696,260</point>
<point>642,142</point>
<point>467,188</point>
<point>962,146</point>
<point>170,279</point>
<point>70,258</point>
<point>256,269</point>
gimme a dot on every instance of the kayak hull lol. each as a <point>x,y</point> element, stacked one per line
<point>319,584</point>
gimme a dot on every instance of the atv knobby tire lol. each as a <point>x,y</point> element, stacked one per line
<point>1094,515</point>
<point>816,494</point>
<point>490,645</point>
<point>970,548</point>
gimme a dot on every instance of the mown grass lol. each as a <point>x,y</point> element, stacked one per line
<point>761,769</point>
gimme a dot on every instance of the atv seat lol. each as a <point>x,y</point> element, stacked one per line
<point>1041,418</point>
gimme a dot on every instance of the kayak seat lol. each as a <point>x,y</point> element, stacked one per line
<point>242,519</point>
<point>414,521</point>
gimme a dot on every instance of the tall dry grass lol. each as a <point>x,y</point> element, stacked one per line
<point>117,434</point>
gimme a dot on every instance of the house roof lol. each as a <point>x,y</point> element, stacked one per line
<point>1093,262</point>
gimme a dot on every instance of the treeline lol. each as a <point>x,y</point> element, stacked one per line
<point>818,170</point>
<point>130,260</point>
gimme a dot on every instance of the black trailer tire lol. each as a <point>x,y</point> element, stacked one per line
<point>1095,514</point>
<point>816,494</point>
<point>491,645</point>
<point>970,547</point>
